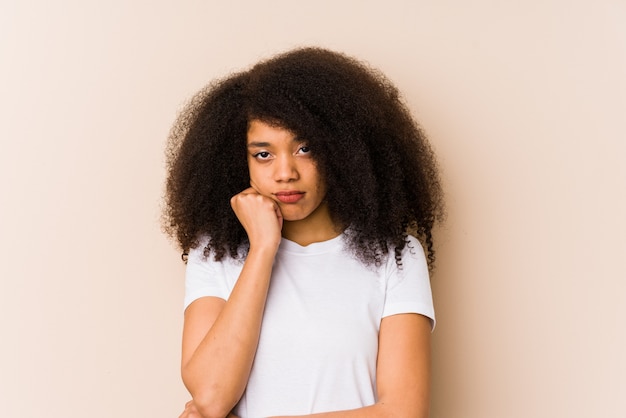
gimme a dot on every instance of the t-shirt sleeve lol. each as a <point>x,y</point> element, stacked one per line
<point>408,287</point>
<point>204,277</point>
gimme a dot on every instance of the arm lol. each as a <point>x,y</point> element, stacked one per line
<point>220,337</point>
<point>403,370</point>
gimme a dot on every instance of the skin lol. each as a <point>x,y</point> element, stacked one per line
<point>286,199</point>
<point>281,164</point>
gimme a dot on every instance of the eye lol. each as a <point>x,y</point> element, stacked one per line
<point>263,155</point>
<point>305,149</point>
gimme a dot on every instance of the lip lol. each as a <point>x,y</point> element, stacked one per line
<point>289,196</point>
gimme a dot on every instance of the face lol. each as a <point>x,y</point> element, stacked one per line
<point>282,169</point>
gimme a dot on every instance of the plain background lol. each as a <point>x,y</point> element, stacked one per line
<point>524,102</point>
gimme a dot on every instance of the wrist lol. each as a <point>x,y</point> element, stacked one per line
<point>263,250</point>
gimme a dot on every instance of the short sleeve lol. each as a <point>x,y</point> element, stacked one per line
<point>204,277</point>
<point>408,286</point>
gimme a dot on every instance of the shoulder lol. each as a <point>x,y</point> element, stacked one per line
<point>412,256</point>
<point>204,276</point>
<point>408,282</point>
<point>413,246</point>
<point>202,253</point>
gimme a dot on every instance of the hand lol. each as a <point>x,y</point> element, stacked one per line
<point>260,216</point>
<point>192,412</point>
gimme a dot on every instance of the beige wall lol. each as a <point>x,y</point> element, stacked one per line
<point>525,103</point>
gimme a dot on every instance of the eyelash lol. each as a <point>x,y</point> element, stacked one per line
<point>263,155</point>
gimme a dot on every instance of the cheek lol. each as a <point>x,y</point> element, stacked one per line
<point>253,171</point>
<point>320,184</point>
<point>259,177</point>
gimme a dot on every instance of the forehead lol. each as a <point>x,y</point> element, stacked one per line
<point>263,134</point>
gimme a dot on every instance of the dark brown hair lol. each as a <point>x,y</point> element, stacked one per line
<point>381,174</point>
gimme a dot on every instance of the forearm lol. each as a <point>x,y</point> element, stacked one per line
<point>378,410</point>
<point>365,412</point>
<point>402,373</point>
<point>217,372</point>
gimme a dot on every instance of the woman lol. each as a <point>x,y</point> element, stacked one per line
<point>298,188</point>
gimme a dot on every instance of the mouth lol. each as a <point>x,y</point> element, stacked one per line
<point>289,196</point>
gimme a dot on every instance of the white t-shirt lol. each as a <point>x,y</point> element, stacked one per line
<point>319,337</point>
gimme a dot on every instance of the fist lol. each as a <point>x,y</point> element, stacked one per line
<point>260,216</point>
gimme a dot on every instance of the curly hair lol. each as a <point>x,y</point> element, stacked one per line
<point>380,171</point>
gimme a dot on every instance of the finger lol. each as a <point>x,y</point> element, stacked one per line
<point>279,215</point>
<point>185,413</point>
<point>249,190</point>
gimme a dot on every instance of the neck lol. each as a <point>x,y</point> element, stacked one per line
<point>317,227</point>
<point>292,232</point>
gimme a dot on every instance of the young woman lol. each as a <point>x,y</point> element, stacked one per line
<point>301,190</point>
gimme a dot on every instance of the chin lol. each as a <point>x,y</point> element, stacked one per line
<point>292,217</point>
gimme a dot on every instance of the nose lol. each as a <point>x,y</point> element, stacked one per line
<point>285,169</point>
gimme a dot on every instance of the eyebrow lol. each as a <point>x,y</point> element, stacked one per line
<point>258,144</point>
<point>261,144</point>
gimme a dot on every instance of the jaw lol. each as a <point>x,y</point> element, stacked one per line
<point>315,227</point>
